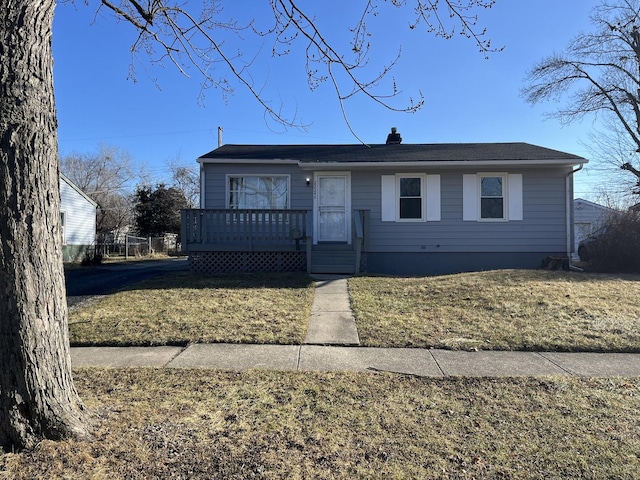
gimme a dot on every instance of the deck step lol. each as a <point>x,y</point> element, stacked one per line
<point>333,247</point>
<point>341,269</point>
<point>333,262</point>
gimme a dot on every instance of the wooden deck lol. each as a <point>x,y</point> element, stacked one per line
<point>244,230</point>
<point>250,240</point>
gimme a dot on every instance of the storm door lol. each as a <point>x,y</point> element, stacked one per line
<point>332,205</point>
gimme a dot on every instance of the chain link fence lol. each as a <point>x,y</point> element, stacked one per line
<point>132,246</point>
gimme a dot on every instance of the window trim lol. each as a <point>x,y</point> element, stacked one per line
<point>470,197</point>
<point>229,176</point>
<point>63,226</point>
<point>505,195</point>
<point>423,196</point>
<point>389,198</point>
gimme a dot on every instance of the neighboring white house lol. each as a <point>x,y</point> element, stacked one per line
<point>77,219</point>
<point>587,218</point>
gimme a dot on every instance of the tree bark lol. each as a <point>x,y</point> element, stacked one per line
<point>37,396</point>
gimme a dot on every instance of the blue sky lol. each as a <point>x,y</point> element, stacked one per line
<point>468,98</point>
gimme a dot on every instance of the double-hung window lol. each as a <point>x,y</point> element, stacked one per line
<point>258,192</point>
<point>410,198</point>
<point>492,197</point>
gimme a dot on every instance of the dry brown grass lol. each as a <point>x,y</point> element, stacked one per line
<point>185,308</point>
<point>497,310</point>
<point>500,310</point>
<point>206,424</point>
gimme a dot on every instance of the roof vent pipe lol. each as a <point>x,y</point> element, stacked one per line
<point>394,137</point>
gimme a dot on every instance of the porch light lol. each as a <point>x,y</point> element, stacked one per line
<point>308,180</point>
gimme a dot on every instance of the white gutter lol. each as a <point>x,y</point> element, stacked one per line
<point>433,163</point>
<point>241,161</point>
<point>568,209</point>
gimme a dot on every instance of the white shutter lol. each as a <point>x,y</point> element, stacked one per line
<point>433,198</point>
<point>514,184</point>
<point>388,198</point>
<point>469,198</point>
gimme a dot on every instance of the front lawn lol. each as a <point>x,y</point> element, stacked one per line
<point>496,310</point>
<point>281,425</point>
<point>164,423</point>
<point>186,308</point>
<point>500,310</point>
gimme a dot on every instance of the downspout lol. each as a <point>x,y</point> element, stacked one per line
<point>568,209</point>
<point>202,199</point>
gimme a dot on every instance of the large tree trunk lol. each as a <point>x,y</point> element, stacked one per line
<point>37,396</point>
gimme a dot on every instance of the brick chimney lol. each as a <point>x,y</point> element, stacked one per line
<point>394,137</point>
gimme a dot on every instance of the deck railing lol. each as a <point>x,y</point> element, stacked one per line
<point>243,229</point>
<point>358,238</point>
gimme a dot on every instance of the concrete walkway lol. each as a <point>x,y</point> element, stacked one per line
<point>331,321</point>
<point>332,343</point>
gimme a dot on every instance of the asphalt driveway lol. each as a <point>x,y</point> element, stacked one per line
<point>83,282</point>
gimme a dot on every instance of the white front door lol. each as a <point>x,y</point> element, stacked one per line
<point>332,204</point>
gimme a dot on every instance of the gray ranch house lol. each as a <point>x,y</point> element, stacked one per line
<point>393,208</point>
<point>77,221</point>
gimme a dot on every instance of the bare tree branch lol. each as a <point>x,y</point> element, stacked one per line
<point>599,73</point>
<point>429,10</point>
<point>195,40</point>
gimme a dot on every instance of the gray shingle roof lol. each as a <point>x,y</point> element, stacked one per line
<point>436,152</point>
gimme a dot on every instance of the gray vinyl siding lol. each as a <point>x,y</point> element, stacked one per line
<point>541,230</point>
<point>215,188</point>
<point>80,216</point>
<point>395,263</point>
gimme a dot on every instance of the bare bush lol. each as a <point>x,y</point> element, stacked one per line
<point>618,248</point>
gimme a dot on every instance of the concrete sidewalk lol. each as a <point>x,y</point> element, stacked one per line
<point>332,343</point>
<point>413,361</point>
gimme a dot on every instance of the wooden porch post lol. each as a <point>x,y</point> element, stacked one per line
<point>309,236</point>
<point>183,231</point>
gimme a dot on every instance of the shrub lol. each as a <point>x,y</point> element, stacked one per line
<point>91,258</point>
<point>618,248</point>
